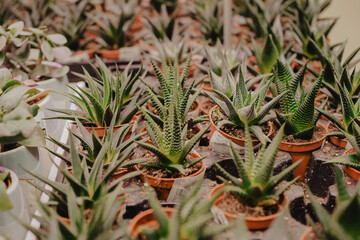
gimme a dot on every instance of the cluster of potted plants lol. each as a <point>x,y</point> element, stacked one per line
<point>160,127</point>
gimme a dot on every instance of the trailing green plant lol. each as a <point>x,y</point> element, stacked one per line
<point>17,123</point>
<point>103,222</point>
<point>87,183</point>
<point>190,220</point>
<point>119,148</point>
<point>35,13</point>
<point>258,186</point>
<point>297,105</point>
<point>108,96</point>
<point>171,83</point>
<point>342,222</point>
<point>5,203</point>
<point>114,25</point>
<point>16,44</point>
<point>209,13</point>
<point>244,106</point>
<point>350,159</point>
<point>73,23</point>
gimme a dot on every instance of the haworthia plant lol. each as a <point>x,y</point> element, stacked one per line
<point>258,186</point>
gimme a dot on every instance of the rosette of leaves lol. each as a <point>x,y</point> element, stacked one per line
<point>170,83</point>
<point>108,96</point>
<point>119,149</point>
<point>297,106</point>
<point>351,159</point>
<point>35,13</point>
<point>31,52</point>
<point>190,220</point>
<point>5,203</point>
<point>103,223</point>
<point>343,222</point>
<point>72,22</point>
<point>245,106</point>
<point>169,142</point>
<point>17,123</point>
<point>258,186</point>
<point>169,4</point>
<point>114,25</point>
<point>88,184</point>
<point>210,15</point>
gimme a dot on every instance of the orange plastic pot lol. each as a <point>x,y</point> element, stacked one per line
<point>253,223</point>
<point>163,186</point>
<point>352,172</point>
<point>145,219</point>
<point>340,142</point>
<point>236,140</point>
<point>307,234</point>
<point>110,54</point>
<point>302,151</point>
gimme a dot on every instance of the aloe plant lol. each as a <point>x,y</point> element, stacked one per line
<point>114,26</point>
<point>5,203</point>
<point>169,4</point>
<point>244,106</point>
<point>103,223</point>
<point>342,222</point>
<point>17,123</point>
<point>258,186</point>
<point>351,159</point>
<point>16,44</point>
<point>107,96</point>
<point>190,220</point>
<point>210,15</point>
<point>297,106</point>
<point>72,22</point>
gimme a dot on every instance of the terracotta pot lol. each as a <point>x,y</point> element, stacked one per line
<point>236,140</point>
<point>110,54</point>
<point>340,142</point>
<point>163,186</point>
<point>307,234</point>
<point>202,104</point>
<point>118,174</point>
<point>352,172</point>
<point>253,223</point>
<point>302,151</point>
<point>90,52</point>
<point>145,218</point>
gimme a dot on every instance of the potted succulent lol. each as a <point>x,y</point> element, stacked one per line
<point>108,96</point>
<point>230,115</point>
<point>298,113</point>
<point>12,203</point>
<point>179,222</point>
<point>169,4</point>
<point>170,154</point>
<point>6,11</point>
<point>351,156</point>
<point>113,27</point>
<point>19,134</point>
<point>257,188</point>
<point>342,222</point>
<point>34,13</point>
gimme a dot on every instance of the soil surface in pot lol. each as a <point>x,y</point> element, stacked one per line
<point>160,173</point>
<point>319,132</point>
<point>236,131</point>
<point>191,132</point>
<point>231,205</point>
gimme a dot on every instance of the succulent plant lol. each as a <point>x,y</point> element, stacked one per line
<point>103,223</point>
<point>297,106</point>
<point>169,4</point>
<point>209,13</point>
<point>72,22</point>
<point>34,13</point>
<point>244,106</point>
<point>5,203</point>
<point>17,123</point>
<point>190,220</point>
<point>107,96</point>
<point>31,52</point>
<point>114,25</point>
<point>342,222</point>
<point>258,186</point>
<point>6,11</point>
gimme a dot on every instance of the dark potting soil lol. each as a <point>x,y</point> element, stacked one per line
<point>319,132</point>
<point>236,131</point>
<point>232,205</point>
<point>191,132</point>
<point>160,173</point>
